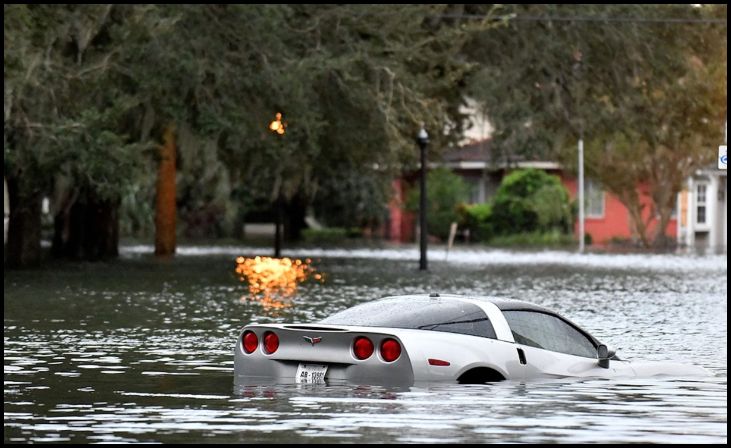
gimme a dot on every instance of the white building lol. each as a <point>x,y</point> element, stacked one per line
<point>703,211</point>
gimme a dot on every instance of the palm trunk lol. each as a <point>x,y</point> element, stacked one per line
<point>165,203</point>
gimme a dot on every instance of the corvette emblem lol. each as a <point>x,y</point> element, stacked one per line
<point>312,341</point>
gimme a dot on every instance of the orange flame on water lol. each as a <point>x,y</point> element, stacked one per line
<point>272,279</point>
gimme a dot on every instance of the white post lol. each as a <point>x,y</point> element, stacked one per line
<point>678,218</point>
<point>581,195</point>
<point>450,242</point>
<point>712,213</point>
<point>725,194</point>
<point>692,193</point>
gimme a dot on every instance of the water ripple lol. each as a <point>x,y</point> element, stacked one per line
<point>146,355</point>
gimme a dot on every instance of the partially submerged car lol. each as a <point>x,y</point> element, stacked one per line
<point>433,338</point>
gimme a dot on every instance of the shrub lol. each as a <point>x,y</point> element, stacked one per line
<point>530,201</point>
<point>324,235</point>
<point>552,238</point>
<point>476,218</point>
<point>444,191</point>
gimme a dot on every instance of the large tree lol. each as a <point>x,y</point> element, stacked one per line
<point>89,88</point>
<point>64,127</point>
<point>647,94</point>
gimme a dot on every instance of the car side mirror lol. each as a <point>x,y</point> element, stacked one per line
<point>603,354</point>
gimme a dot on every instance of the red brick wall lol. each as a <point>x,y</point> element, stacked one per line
<point>616,221</point>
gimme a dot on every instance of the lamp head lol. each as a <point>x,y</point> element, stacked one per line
<point>423,136</point>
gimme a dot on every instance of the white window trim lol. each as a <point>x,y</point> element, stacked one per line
<point>701,226</point>
<point>603,202</point>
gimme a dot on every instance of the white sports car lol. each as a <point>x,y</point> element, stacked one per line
<point>432,338</point>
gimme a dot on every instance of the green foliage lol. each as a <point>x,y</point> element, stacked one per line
<point>65,105</point>
<point>353,199</point>
<point>551,238</point>
<point>88,89</point>
<point>588,239</point>
<point>444,191</point>
<point>327,235</point>
<point>531,201</point>
<point>478,219</point>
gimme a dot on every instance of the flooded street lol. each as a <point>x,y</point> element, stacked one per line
<point>141,350</point>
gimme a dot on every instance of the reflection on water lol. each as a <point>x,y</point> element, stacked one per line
<point>148,356</point>
<point>273,281</point>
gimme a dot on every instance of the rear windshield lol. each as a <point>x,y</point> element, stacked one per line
<point>418,313</point>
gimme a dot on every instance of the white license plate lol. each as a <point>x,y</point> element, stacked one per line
<point>311,373</point>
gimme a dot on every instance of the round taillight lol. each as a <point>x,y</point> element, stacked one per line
<point>250,341</point>
<point>362,347</point>
<point>271,342</point>
<point>390,350</point>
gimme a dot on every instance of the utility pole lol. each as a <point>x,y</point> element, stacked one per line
<point>278,231</point>
<point>581,193</point>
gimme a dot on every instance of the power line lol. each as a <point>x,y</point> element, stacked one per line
<point>515,17</point>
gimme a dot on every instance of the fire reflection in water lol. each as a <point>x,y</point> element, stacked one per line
<point>273,281</point>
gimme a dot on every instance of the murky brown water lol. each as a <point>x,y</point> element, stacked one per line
<point>140,350</point>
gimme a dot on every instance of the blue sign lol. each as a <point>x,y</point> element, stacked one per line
<point>722,157</point>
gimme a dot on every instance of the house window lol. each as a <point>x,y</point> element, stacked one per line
<point>473,190</point>
<point>701,204</point>
<point>593,199</point>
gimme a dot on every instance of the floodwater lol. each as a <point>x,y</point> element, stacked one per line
<point>141,350</point>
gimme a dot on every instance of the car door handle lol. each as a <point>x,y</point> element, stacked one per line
<point>521,356</point>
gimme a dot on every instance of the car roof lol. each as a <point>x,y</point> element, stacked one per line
<point>503,304</point>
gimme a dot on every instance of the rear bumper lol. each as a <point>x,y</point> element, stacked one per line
<point>271,371</point>
<point>281,367</point>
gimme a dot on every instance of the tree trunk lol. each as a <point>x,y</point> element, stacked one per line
<point>278,218</point>
<point>165,203</point>
<point>632,201</point>
<point>24,229</point>
<point>65,199</point>
<point>85,227</point>
<point>296,209</point>
<point>635,214</point>
<point>661,240</point>
<point>665,191</point>
<point>93,230</point>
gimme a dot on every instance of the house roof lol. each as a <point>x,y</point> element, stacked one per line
<point>474,151</point>
<point>710,170</point>
<point>479,155</point>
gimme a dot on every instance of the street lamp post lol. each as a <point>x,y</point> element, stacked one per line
<point>278,127</point>
<point>422,139</point>
<point>278,229</point>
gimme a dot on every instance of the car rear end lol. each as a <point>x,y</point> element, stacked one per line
<point>284,353</point>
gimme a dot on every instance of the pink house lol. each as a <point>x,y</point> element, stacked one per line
<point>606,218</point>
